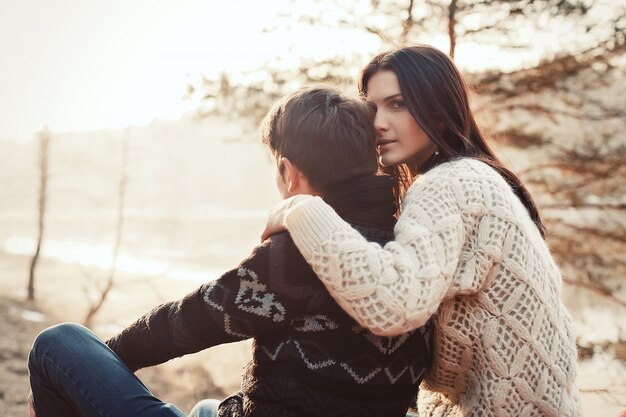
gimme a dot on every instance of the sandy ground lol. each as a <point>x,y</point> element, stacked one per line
<point>213,373</point>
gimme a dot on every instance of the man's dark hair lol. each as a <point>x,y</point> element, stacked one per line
<point>329,136</point>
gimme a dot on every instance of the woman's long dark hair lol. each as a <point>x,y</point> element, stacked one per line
<point>436,95</point>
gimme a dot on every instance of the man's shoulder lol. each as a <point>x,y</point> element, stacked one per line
<point>281,249</point>
<point>280,242</point>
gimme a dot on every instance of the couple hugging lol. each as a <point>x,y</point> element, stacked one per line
<point>355,305</point>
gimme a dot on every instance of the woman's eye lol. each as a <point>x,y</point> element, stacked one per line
<point>397,104</point>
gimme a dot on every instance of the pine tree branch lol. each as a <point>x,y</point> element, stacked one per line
<point>594,289</point>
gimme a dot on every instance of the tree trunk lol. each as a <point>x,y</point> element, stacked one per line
<point>451,27</point>
<point>407,25</point>
<point>121,200</point>
<point>44,139</point>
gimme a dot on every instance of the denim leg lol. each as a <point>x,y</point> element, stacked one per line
<point>73,373</point>
<point>205,408</point>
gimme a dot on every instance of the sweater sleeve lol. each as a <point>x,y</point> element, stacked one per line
<point>243,303</point>
<point>396,288</point>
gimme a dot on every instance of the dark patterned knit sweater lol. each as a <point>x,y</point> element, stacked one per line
<point>309,357</point>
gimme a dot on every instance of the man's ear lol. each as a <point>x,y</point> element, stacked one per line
<point>292,175</point>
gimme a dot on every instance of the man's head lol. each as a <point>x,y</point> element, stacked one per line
<point>319,137</point>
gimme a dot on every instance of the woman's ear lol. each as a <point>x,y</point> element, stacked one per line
<point>292,175</point>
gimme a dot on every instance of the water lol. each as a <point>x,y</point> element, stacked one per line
<point>197,246</point>
<point>101,257</point>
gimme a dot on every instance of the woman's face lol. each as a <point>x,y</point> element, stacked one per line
<point>400,139</point>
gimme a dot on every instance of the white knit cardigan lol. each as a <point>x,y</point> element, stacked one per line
<point>467,252</point>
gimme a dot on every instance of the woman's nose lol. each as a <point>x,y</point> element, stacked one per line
<point>380,122</point>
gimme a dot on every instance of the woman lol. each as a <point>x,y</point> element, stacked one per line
<point>469,250</point>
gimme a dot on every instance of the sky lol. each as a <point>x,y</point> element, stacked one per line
<point>76,65</point>
<point>83,65</point>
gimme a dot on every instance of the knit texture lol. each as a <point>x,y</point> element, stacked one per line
<point>309,357</point>
<point>467,252</point>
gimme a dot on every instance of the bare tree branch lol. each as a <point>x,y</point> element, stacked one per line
<point>44,141</point>
<point>121,202</point>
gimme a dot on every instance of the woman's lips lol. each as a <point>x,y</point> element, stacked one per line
<point>382,143</point>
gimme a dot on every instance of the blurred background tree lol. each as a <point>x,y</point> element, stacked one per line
<point>558,119</point>
<point>44,143</point>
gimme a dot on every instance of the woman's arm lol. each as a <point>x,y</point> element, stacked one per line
<point>395,288</point>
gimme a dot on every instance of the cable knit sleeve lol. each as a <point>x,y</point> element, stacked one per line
<point>395,288</point>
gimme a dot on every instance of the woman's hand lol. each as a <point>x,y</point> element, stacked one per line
<point>276,218</point>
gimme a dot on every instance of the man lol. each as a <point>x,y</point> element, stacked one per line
<point>309,357</point>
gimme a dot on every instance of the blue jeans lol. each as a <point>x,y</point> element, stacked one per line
<point>205,408</point>
<point>73,373</point>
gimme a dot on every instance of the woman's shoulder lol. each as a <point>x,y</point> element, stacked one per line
<point>466,167</point>
<point>462,179</point>
<point>461,169</point>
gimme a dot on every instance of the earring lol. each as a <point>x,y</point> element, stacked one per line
<point>436,153</point>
